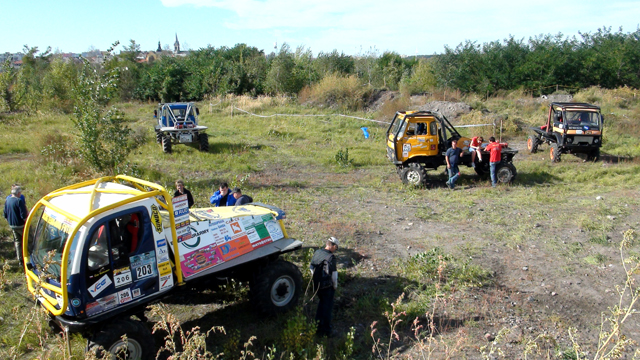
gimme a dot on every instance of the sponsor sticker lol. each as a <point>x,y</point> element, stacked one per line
<point>406,147</point>
<point>101,305</point>
<point>99,285</point>
<point>122,277</point>
<point>161,242</point>
<point>143,265</point>
<point>164,268</point>
<point>201,259</point>
<point>156,219</point>
<point>274,230</point>
<point>124,296</point>
<point>136,293</point>
<point>166,282</point>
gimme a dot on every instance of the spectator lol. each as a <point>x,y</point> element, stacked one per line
<point>221,196</point>
<point>183,191</point>
<point>325,283</point>
<point>241,199</point>
<point>15,211</point>
<point>452,156</point>
<point>474,148</point>
<point>21,195</point>
<point>495,149</point>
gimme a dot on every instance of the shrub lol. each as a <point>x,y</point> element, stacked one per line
<point>337,91</point>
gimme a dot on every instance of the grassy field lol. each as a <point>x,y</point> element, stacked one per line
<point>471,273</point>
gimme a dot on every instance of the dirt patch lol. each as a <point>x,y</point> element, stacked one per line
<point>450,110</point>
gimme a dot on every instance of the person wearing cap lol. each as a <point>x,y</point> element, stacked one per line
<point>15,211</point>
<point>221,196</point>
<point>240,199</point>
<point>181,190</point>
<point>325,291</point>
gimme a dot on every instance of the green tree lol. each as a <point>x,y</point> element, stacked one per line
<point>29,88</point>
<point>281,78</point>
<point>7,87</point>
<point>103,136</point>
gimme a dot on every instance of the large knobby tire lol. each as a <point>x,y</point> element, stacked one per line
<point>505,173</point>
<point>166,144</point>
<point>532,144</point>
<point>414,174</point>
<point>482,169</point>
<point>204,142</point>
<point>276,288</point>
<point>139,344</point>
<point>554,153</point>
<point>595,155</point>
<point>159,136</point>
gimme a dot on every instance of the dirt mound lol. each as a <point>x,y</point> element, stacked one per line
<point>379,97</point>
<point>449,109</point>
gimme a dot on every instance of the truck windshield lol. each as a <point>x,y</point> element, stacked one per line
<point>396,125</point>
<point>583,118</point>
<point>51,235</point>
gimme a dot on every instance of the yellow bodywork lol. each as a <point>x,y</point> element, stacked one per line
<point>419,137</point>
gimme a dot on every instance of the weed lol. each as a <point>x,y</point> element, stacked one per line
<point>342,158</point>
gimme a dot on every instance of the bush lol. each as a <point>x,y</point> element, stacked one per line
<point>336,91</point>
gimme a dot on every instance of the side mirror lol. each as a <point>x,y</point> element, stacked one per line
<point>155,113</point>
<point>197,111</point>
<point>602,118</point>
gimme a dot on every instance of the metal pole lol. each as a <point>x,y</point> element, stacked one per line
<point>500,130</point>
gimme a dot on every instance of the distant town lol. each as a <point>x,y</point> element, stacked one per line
<point>97,56</point>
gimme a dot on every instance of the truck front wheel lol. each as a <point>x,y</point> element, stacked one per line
<point>276,288</point>
<point>532,144</point>
<point>204,142</point>
<point>139,343</point>
<point>414,174</point>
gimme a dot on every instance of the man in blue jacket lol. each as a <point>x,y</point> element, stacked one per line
<point>222,197</point>
<point>15,211</point>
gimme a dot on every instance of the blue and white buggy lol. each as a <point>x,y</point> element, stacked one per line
<point>178,124</point>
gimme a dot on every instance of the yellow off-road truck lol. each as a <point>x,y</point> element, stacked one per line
<point>98,252</point>
<point>418,140</point>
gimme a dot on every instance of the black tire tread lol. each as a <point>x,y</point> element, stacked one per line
<point>414,167</point>
<point>260,287</point>
<point>204,142</point>
<point>112,332</point>
<point>166,144</point>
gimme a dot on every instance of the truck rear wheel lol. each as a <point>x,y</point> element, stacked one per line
<point>166,144</point>
<point>554,153</point>
<point>276,288</point>
<point>414,174</point>
<point>204,142</point>
<point>108,340</point>
<point>506,173</point>
<point>532,144</point>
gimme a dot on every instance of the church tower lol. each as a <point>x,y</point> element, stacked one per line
<point>176,45</point>
<point>159,47</point>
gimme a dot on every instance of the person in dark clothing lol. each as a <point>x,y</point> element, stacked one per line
<point>183,191</point>
<point>241,199</point>
<point>221,196</point>
<point>452,156</point>
<point>325,290</point>
<point>15,211</point>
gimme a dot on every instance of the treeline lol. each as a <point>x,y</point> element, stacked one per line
<point>604,58</point>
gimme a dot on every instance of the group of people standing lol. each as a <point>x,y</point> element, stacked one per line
<point>453,154</point>
<point>221,197</point>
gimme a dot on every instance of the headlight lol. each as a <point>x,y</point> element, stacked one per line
<point>569,140</point>
<point>596,140</point>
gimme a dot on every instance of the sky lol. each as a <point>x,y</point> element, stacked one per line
<point>407,27</point>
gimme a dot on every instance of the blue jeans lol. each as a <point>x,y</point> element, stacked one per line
<point>494,179</point>
<point>454,174</point>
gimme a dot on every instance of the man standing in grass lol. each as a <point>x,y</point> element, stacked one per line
<point>495,149</point>
<point>15,211</point>
<point>222,196</point>
<point>452,156</point>
<point>325,283</point>
<point>181,190</point>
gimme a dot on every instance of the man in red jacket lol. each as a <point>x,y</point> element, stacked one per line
<point>495,149</point>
